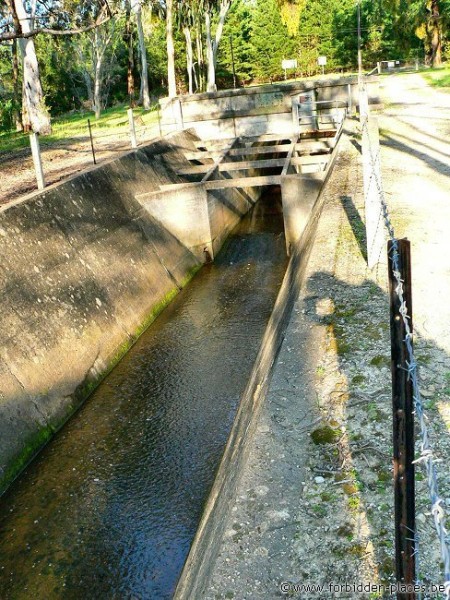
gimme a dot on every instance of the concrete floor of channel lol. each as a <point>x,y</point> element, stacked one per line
<point>315,502</point>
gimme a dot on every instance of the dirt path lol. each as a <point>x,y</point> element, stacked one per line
<point>315,505</point>
<point>62,159</point>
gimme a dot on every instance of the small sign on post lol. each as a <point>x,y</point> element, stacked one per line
<point>36,154</point>
<point>322,61</point>
<point>288,64</point>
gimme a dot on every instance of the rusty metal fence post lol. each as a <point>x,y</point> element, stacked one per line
<point>403,423</point>
<point>92,141</point>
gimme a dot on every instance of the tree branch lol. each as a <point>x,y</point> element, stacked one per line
<point>12,35</point>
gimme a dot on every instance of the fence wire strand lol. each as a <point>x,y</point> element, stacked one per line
<point>426,451</point>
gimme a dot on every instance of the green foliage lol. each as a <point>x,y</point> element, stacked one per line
<point>75,124</point>
<point>269,40</point>
<point>316,36</point>
<point>237,32</point>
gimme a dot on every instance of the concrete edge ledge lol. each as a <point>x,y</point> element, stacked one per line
<point>197,571</point>
<point>305,84</point>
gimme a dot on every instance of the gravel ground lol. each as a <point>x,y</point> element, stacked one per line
<point>315,504</point>
<point>64,158</point>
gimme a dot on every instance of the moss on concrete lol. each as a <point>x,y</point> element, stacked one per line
<point>30,448</point>
<point>38,440</point>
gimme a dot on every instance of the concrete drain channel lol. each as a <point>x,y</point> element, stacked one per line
<point>124,499</point>
<point>302,201</point>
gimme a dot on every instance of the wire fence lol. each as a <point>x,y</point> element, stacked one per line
<point>427,456</point>
<point>73,148</point>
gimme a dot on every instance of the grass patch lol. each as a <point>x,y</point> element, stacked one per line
<point>438,77</point>
<point>74,125</point>
<point>325,435</point>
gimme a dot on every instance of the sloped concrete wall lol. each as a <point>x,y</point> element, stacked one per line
<point>83,270</point>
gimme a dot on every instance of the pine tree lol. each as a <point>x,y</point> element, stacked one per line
<point>269,40</point>
<point>236,36</point>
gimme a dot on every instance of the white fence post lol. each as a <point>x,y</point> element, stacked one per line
<point>132,128</point>
<point>36,154</point>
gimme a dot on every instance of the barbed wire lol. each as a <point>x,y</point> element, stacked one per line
<point>426,454</point>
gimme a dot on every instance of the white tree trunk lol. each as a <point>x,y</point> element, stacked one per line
<point>224,8</point>
<point>170,51</point>
<point>189,58</point>
<point>33,95</point>
<point>145,93</point>
<point>213,45</point>
<point>98,67</point>
<point>211,74</point>
<point>200,60</point>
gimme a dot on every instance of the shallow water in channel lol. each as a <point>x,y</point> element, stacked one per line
<point>110,507</point>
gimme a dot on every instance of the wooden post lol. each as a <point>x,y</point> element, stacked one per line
<point>36,154</point>
<point>132,128</point>
<point>159,121</point>
<point>92,141</point>
<point>403,426</point>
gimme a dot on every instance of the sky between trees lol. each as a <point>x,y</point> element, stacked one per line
<point>63,55</point>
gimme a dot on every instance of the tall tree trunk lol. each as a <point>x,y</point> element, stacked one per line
<point>170,50</point>
<point>99,49</point>
<point>88,83</point>
<point>26,123</point>
<point>211,77</point>
<point>212,46</point>
<point>189,58</point>
<point>34,97</point>
<point>145,93</point>
<point>436,35</point>
<point>128,39</point>
<point>200,60</point>
<point>17,95</point>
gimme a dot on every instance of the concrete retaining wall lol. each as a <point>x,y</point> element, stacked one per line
<point>256,110</point>
<point>83,269</point>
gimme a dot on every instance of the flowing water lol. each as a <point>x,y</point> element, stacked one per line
<point>109,509</point>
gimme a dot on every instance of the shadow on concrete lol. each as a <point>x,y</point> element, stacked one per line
<point>436,164</point>
<point>357,225</point>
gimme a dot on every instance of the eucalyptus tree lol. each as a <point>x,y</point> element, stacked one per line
<point>184,22</point>
<point>429,15</point>
<point>23,20</point>
<point>171,80</point>
<point>218,8</point>
<point>144,96</point>
<point>96,52</point>
<point>36,114</point>
<point>189,18</point>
